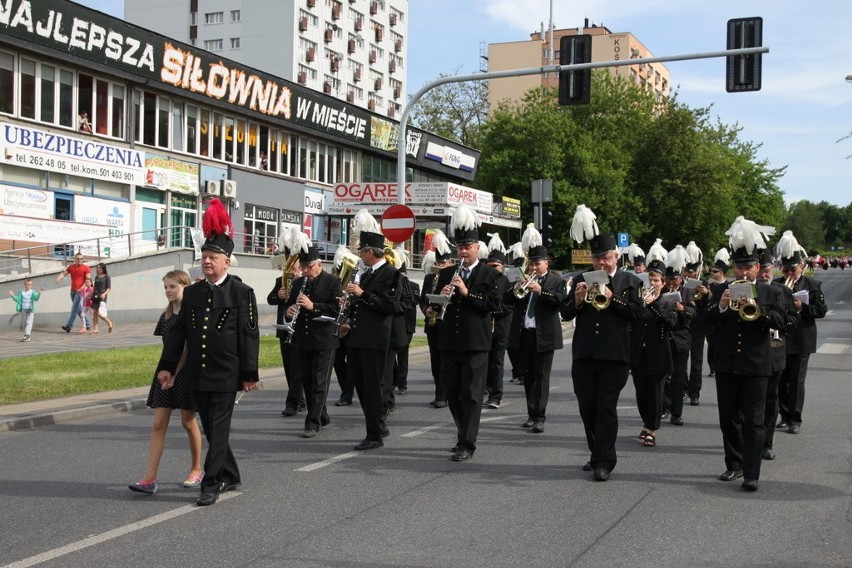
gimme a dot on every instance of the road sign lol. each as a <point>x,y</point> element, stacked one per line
<point>623,240</point>
<point>581,256</point>
<point>397,223</point>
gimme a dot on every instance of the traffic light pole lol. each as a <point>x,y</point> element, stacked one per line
<point>403,120</point>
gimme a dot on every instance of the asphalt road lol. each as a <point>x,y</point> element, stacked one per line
<point>522,500</point>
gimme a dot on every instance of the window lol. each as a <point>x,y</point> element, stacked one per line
<point>213,44</point>
<point>235,43</point>
<point>235,15</point>
<point>7,83</point>
<point>214,17</point>
<point>28,88</point>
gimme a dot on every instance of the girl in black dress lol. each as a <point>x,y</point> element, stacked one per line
<point>175,394</point>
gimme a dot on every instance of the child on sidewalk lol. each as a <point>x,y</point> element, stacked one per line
<point>25,303</point>
<point>86,293</point>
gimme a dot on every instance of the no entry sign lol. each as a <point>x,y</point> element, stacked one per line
<point>397,223</point>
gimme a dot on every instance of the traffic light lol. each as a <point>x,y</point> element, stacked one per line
<point>743,72</point>
<point>575,87</point>
<point>547,228</point>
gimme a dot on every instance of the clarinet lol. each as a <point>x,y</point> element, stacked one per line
<point>302,290</point>
<point>452,291</point>
<point>343,314</point>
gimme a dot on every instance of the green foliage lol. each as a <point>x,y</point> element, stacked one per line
<point>455,111</point>
<point>820,226</point>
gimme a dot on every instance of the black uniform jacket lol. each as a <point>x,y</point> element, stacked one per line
<point>467,322</point>
<point>792,318</point>
<point>371,315</point>
<point>273,300</point>
<point>311,334</point>
<point>219,328</point>
<point>429,282</point>
<point>804,339</point>
<point>548,326</point>
<point>406,312</point>
<point>682,331</point>
<point>742,347</point>
<point>605,334</point>
<point>650,350</point>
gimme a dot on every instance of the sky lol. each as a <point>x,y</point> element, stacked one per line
<point>803,109</point>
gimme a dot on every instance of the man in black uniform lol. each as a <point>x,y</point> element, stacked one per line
<point>681,342</point>
<point>373,302</point>
<point>400,337</point>
<point>295,400</point>
<point>313,295</point>
<point>218,326</point>
<point>743,361</point>
<point>537,333</point>
<point>400,369</point>
<point>601,350</point>
<point>803,341</point>
<point>698,329</point>
<point>440,258</point>
<point>500,334</point>
<point>465,340</point>
<point>718,284</point>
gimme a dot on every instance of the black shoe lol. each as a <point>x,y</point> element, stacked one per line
<point>289,411</point>
<point>206,499</point>
<point>493,403</point>
<point>66,328</point>
<point>232,486</point>
<point>385,432</point>
<point>325,421</point>
<point>456,448</point>
<point>309,433</point>
<point>782,425</point>
<point>767,454</point>
<point>439,403</point>
<point>731,475</point>
<point>676,420</point>
<point>664,415</point>
<point>601,474</point>
<point>528,424</point>
<point>367,444</point>
<point>462,455</point>
<point>750,484</point>
<point>587,466</point>
<point>538,427</point>
<point>793,428</point>
<point>693,401</point>
<point>343,402</point>
<point>402,390</point>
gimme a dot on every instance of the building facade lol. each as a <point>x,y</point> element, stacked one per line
<point>606,46</point>
<point>354,50</point>
<point>107,129</point>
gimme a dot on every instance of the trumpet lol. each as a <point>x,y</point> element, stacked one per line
<point>521,288</point>
<point>647,294</point>
<point>790,282</point>
<point>597,298</point>
<point>452,291</point>
<point>747,307</point>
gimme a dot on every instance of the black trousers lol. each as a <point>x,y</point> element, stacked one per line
<point>649,397</point>
<point>770,413</point>
<point>791,389</point>
<point>742,400</point>
<point>696,364</point>
<point>536,367</point>
<point>517,372</point>
<point>497,357</point>
<point>215,410</point>
<point>366,368</point>
<point>435,361</point>
<point>463,374</point>
<point>711,350</point>
<point>597,385</point>
<point>400,368</point>
<point>388,398</point>
<point>295,391</point>
<point>315,370</point>
<point>347,389</point>
<point>676,385</point>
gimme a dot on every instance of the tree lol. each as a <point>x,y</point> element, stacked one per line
<point>455,111</point>
<point>805,220</point>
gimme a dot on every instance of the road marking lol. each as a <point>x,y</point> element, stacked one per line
<point>625,407</point>
<point>495,418</point>
<point>832,349</point>
<point>109,535</point>
<point>423,430</point>
<point>329,461</point>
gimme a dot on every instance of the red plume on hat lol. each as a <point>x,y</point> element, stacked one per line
<point>216,220</point>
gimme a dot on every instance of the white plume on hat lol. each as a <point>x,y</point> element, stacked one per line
<point>693,253</point>
<point>495,243</point>
<point>464,218</point>
<point>633,251</point>
<point>748,234</point>
<point>583,226</point>
<point>440,242</point>
<point>657,252</point>
<point>428,261</point>
<point>299,242</point>
<point>517,250</point>
<point>341,253</point>
<point>284,238</point>
<point>787,245</point>
<point>364,221</point>
<point>482,254</point>
<point>531,238</point>
<point>676,259</point>
<point>724,255</point>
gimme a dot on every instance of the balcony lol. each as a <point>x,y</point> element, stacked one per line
<point>392,65</point>
<point>374,8</point>
<point>372,57</point>
<point>335,11</point>
<point>359,24</point>
<point>393,19</point>
<point>350,46</point>
<point>371,104</point>
<point>329,35</point>
<point>303,24</point>
<point>311,54</point>
<point>397,46</point>
<point>391,112</point>
<point>326,88</point>
<point>356,76</point>
<point>350,97</point>
<point>377,84</point>
<point>396,92</point>
<point>335,65</point>
<point>311,3</point>
<point>303,78</point>
<point>380,32</point>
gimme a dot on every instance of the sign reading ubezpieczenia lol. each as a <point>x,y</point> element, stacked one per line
<point>84,157</point>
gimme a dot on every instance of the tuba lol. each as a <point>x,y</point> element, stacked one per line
<point>346,273</point>
<point>747,307</point>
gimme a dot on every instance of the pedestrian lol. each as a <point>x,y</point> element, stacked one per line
<point>218,325</point>
<point>25,304</point>
<point>78,272</point>
<point>103,286</point>
<point>174,394</point>
<point>85,313</point>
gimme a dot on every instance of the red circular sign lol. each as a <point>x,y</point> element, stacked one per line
<point>397,223</point>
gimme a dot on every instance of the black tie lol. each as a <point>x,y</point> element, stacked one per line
<point>465,272</point>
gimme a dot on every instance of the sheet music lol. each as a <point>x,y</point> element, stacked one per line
<point>803,296</point>
<point>439,299</point>
<point>596,277</point>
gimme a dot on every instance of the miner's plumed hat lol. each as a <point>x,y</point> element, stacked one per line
<point>217,228</point>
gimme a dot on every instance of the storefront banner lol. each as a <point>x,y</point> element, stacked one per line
<point>83,157</point>
<point>481,201</point>
<point>175,175</point>
<point>85,237</point>
<point>26,202</point>
<point>114,214</point>
<point>314,201</point>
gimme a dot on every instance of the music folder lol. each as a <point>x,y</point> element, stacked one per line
<point>439,299</point>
